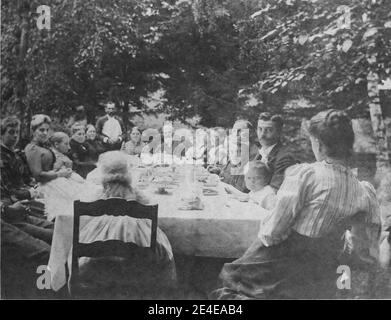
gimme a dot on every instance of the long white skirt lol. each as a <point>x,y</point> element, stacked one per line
<point>59,194</point>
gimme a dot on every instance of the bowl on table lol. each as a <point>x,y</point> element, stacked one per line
<point>164,185</point>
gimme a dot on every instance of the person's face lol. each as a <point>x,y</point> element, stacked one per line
<point>110,109</point>
<point>316,148</point>
<point>79,136</point>
<point>10,137</point>
<point>254,181</point>
<point>63,146</point>
<point>80,112</point>
<point>135,136</point>
<point>268,133</point>
<point>41,134</point>
<point>91,133</point>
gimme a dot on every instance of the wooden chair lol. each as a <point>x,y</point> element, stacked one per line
<point>110,247</point>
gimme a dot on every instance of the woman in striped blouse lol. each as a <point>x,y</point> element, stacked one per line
<point>300,242</point>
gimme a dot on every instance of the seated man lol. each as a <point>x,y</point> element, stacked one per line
<point>273,153</point>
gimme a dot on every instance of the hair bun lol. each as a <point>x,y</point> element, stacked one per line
<point>334,129</point>
<point>117,178</point>
<point>338,120</point>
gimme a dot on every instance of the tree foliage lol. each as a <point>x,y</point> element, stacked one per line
<point>218,59</point>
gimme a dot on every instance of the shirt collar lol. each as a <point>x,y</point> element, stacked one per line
<point>264,152</point>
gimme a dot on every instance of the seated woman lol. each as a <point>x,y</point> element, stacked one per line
<point>134,146</point>
<point>79,152</point>
<point>299,242</point>
<point>117,183</point>
<point>94,146</point>
<point>59,192</point>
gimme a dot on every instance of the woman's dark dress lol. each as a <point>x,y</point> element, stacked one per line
<point>80,156</point>
<point>95,148</point>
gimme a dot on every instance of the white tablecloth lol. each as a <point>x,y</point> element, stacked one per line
<point>225,228</point>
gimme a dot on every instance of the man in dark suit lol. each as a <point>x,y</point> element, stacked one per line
<point>110,129</point>
<point>273,153</point>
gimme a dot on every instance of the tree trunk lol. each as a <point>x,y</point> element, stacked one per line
<point>21,85</point>
<point>378,125</point>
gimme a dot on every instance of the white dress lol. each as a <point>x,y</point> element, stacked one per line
<point>266,197</point>
<point>60,193</point>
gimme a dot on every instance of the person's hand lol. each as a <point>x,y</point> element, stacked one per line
<point>214,169</point>
<point>233,191</point>
<point>65,173</point>
<point>258,162</point>
<point>228,189</point>
<point>17,211</point>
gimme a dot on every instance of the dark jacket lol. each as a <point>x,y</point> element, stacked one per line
<point>80,156</point>
<point>15,174</point>
<point>279,159</point>
<point>95,148</point>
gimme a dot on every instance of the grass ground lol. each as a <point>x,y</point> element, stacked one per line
<point>197,277</point>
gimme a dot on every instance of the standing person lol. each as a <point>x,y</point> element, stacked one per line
<point>134,146</point>
<point>273,153</point>
<point>300,240</point>
<point>110,129</point>
<point>79,118</point>
<point>79,152</point>
<point>95,147</point>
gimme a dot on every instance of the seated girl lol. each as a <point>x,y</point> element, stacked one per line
<point>256,178</point>
<point>60,146</point>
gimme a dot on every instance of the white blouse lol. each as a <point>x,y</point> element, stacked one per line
<point>315,199</point>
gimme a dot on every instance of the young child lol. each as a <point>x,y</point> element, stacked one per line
<point>257,178</point>
<point>60,147</point>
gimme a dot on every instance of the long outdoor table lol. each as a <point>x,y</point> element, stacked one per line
<point>225,228</point>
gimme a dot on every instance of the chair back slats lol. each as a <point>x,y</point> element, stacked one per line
<point>115,207</point>
<point>111,247</point>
